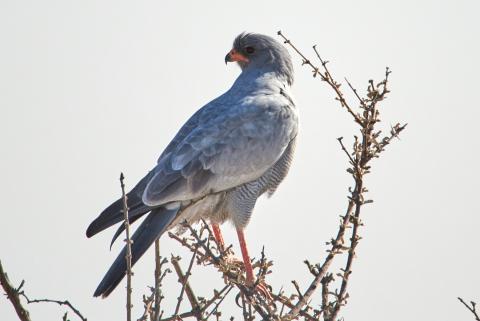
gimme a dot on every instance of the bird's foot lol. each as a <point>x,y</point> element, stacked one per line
<point>234,264</point>
<point>261,288</point>
<point>230,265</point>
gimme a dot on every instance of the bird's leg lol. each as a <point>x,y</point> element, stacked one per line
<point>261,287</point>
<point>218,236</point>
<point>228,256</point>
<point>227,253</point>
<point>246,258</point>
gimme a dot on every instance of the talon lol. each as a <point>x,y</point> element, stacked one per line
<point>262,288</point>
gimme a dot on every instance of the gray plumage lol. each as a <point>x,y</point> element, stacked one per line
<point>231,151</point>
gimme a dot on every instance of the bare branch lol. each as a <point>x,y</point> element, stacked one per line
<point>215,309</point>
<point>183,279</point>
<point>364,149</point>
<point>158,273</point>
<point>128,256</point>
<point>13,295</point>
<point>325,76</point>
<point>65,302</point>
<point>472,308</point>
<point>148,303</point>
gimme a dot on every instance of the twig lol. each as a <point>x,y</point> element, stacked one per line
<point>13,295</point>
<point>219,302</point>
<point>244,310</point>
<point>472,309</point>
<point>180,316</point>
<point>285,301</point>
<point>325,76</point>
<point>216,296</point>
<point>158,274</point>
<point>325,292</point>
<point>65,302</point>
<point>156,294</point>
<point>183,279</point>
<point>184,242</point>
<point>148,302</point>
<point>352,161</point>
<point>322,270</point>
<point>128,256</point>
<point>297,288</point>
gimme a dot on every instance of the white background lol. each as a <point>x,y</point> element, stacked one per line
<point>92,88</point>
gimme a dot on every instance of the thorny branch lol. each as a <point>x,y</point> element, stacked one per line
<point>152,303</point>
<point>157,293</point>
<point>366,146</point>
<point>128,256</point>
<point>65,302</point>
<point>183,279</point>
<point>472,308</point>
<point>14,295</point>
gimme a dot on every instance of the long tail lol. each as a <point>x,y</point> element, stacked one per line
<point>151,228</point>
<point>114,213</point>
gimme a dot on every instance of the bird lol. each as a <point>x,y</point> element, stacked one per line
<point>231,151</point>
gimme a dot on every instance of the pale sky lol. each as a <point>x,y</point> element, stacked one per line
<point>92,88</point>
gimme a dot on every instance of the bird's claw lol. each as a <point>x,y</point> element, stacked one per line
<point>255,286</point>
<point>261,288</point>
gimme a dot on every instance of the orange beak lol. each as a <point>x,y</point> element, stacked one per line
<point>234,55</point>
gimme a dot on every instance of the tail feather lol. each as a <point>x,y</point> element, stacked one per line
<point>151,228</point>
<point>114,213</point>
<point>121,227</point>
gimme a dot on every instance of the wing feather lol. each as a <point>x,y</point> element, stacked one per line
<point>226,146</point>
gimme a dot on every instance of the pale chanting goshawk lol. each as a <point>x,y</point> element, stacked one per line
<point>232,150</point>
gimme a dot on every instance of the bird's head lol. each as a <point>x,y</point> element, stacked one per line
<point>256,51</point>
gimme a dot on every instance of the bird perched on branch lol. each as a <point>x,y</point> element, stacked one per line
<point>232,150</point>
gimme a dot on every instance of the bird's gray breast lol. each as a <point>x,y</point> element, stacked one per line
<point>241,200</point>
<point>237,203</point>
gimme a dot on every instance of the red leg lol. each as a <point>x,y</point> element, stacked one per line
<point>246,258</point>
<point>261,287</point>
<point>218,236</point>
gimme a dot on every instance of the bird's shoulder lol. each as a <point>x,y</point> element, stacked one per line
<point>230,141</point>
<point>236,107</point>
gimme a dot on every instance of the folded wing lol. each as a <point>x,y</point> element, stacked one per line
<point>224,150</point>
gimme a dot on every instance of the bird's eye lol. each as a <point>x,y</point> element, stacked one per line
<point>250,50</point>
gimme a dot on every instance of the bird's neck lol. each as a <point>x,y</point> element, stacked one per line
<point>261,78</point>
